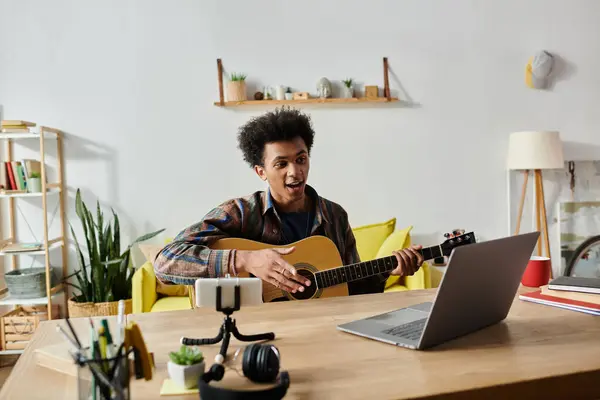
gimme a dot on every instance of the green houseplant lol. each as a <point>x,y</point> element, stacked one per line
<point>106,276</point>
<point>186,366</point>
<point>236,87</point>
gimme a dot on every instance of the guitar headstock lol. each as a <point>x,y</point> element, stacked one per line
<point>456,239</point>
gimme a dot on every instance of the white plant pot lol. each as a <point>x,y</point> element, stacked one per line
<point>34,185</point>
<point>279,92</point>
<point>289,96</point>
<point>347,92</point>
<point>185,376</point>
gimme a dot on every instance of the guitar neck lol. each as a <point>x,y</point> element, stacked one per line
<point>365,269</point>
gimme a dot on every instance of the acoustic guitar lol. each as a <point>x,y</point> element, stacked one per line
<point>317,258</point>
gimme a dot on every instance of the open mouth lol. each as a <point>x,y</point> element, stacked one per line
<point>294,186</point>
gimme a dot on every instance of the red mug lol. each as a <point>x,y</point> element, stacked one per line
<point>537,272</point>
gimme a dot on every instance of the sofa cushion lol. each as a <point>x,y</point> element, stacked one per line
<point>400,239</point>
<point>369,238</point>
<point>172,303</point>
<point>144,282</point>
<point>150,252</point>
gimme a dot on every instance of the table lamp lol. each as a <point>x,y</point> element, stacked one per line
<point>535,150</point>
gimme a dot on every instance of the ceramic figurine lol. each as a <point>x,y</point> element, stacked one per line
<point>324,88</point>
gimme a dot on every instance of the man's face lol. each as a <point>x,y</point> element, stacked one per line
<point>286,166</point>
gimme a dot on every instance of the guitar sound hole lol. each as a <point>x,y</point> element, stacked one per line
<point>309,291</point>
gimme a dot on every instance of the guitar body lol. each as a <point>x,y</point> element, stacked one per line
<point>313,254</point>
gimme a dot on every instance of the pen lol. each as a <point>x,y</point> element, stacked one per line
<point>121,322</point>
<point>69,339</point>
<point>109,341</point>
<point>102,344</point>
<point>73,332</point>
<point>93,353</point>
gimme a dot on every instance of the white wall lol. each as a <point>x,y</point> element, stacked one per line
<point>133,85</point>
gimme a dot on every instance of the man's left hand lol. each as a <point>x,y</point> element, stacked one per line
<point>409,261</point>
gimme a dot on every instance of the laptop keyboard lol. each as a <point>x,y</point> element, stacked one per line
<point>411,330</point>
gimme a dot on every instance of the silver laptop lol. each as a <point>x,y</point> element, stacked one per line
<point>477,291</point>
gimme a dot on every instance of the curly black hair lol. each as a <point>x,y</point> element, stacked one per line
<point>274,126</point>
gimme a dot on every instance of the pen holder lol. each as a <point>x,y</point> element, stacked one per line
<point>103,378</point>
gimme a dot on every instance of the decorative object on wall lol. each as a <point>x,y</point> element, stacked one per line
<point>324,89</point>
<point>279,92</point>
<point>348,88</point>
<point>236,87</point>
<point>300,96</point>
<point>533,150</point>
<point>538,70</point>
<point>577,222</point>
<point>324,95</point>
<point>371,92</point>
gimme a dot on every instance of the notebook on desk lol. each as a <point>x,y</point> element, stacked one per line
<point>477,290</point>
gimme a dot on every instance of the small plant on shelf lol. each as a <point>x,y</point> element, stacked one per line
<point>236,87</point>
<point>34,183</point>
<point>186,366</point>
<point>288,94</point>
<point>348,89</point>
<point>234,77</point>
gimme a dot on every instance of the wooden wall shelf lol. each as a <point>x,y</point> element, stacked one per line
<point>386,98</point>
<point>308,101</point>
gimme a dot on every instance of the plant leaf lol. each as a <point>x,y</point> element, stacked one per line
<point>84,282</point>
<point>147,236</point>
<point>100,229</point>
<point>117,233</point>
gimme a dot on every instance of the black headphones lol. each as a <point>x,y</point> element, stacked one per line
<point>260,364</point>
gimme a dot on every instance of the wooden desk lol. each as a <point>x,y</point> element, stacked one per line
<point>537,352</point>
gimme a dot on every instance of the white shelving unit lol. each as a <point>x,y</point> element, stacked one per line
<point>44,135</point>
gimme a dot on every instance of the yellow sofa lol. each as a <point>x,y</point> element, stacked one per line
<point>372,241</point>
<point>379,240</point>
<point>148,295</point>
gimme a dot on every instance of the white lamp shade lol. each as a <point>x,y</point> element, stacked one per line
<point>535,150</point>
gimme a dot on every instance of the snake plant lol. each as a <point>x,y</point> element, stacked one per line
<point>108,273</point>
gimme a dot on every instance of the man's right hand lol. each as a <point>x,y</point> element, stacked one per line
<point>269,265</point>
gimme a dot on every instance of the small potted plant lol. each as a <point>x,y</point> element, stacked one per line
<point>288,94</point>
<point>186,366</point>
<point>348,89</point>
<point>34,183</point>
<point>236,87</point>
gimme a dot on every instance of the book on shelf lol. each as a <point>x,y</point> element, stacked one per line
<point>15,174</point>
<point>575,284</point>
<point>561,302</point>
<point>21,247</point>
<point>15,126</point>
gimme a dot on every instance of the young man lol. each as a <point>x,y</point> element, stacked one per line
<point>277,146</point>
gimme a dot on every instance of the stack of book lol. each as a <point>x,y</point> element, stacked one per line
<point>16,126</point>
<point>569,292</point>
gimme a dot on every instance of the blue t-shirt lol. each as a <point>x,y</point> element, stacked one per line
<point>296,226</point>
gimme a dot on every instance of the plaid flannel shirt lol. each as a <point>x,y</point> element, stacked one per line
<point>188,257</point>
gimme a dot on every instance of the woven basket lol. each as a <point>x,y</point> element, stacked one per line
<point>28,283</point>
<point>97,309</point>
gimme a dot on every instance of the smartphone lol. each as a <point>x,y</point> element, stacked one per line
<point>250,291</point>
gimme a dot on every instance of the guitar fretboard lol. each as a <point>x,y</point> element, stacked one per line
<point>365,269</point>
